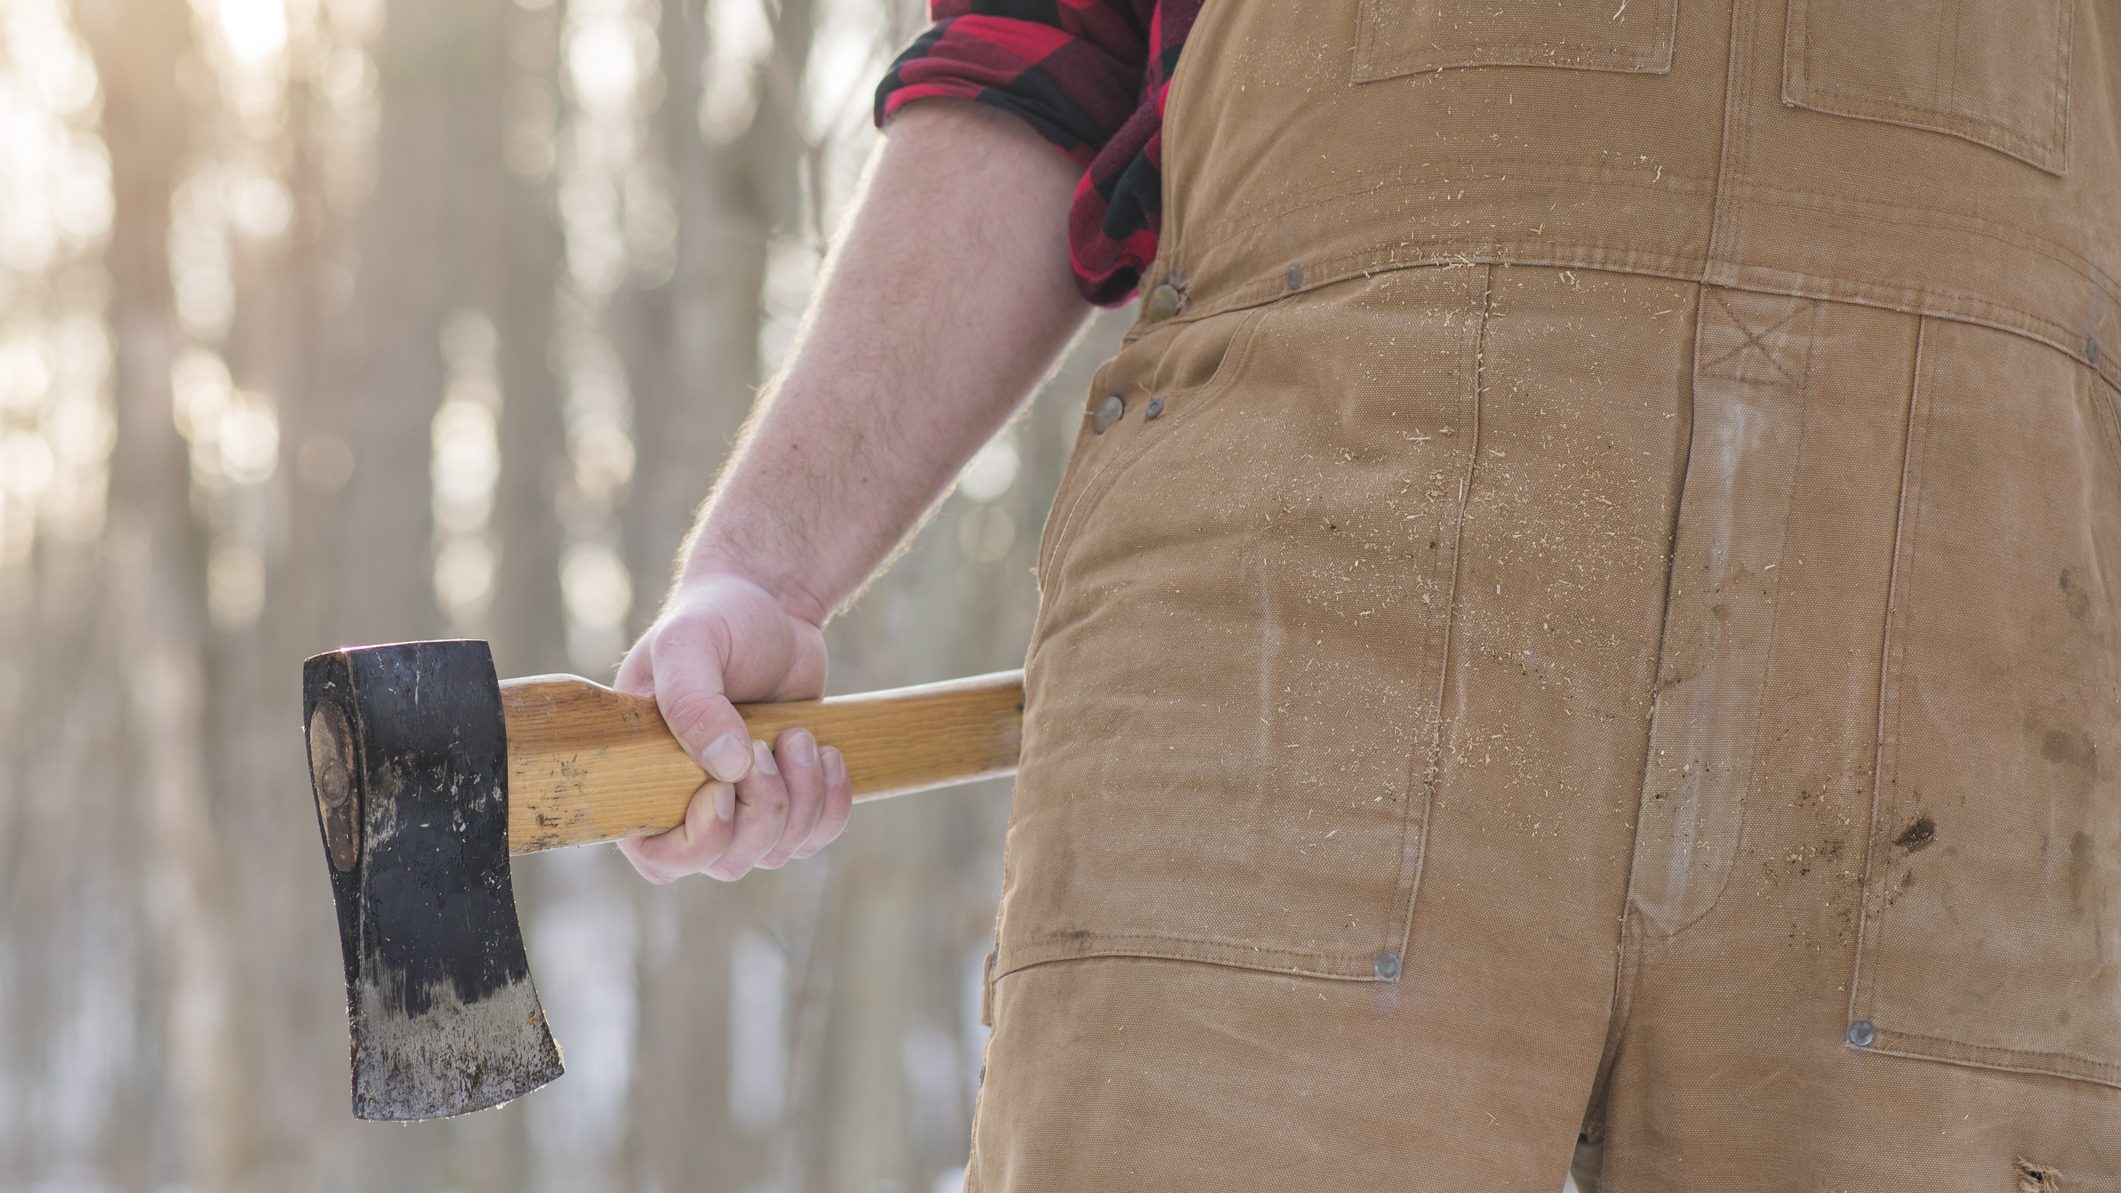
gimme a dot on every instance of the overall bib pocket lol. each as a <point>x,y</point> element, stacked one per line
<point>1992,903</point>
<point>1404,37</point>
<point>1994,74</point>
<point>1232,692</point>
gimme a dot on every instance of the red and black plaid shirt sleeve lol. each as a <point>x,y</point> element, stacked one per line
<point>1089,75</point>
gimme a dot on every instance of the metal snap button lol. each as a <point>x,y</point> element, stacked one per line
<point>1387,966</point>
<point>1154,410</point>
<point>1295,277</point>
<point>1107,412</point>
<point>1861,1033</point>
<point>1163,302</point>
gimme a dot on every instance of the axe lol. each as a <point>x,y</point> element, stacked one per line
<point>430,773</point>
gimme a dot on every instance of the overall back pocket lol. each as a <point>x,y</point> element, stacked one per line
<point>1233,687</point>
<point>1992,904</point>
<point>1403,37</point>
<point>1994,74</point>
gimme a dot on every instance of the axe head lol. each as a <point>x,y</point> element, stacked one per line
<point>408,756</point>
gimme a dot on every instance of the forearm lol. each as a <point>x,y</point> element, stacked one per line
<point>946,300</point>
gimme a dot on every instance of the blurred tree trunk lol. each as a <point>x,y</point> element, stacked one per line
<point>521,275</point>
<point>392,371</point>
<point>158,574</point>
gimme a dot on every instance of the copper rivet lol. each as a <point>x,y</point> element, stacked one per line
<point>1154,409</point>
<point>1861,1033</point>
<point>1107,413</point>
<point>1163,302</point>
<point>1387,966</point>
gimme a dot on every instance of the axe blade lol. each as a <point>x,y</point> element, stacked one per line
<point>409,763</point>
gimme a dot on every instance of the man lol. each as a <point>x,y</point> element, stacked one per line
<point>1582,624</point>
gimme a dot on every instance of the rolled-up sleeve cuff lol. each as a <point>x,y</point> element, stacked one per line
<point>1070,88</point>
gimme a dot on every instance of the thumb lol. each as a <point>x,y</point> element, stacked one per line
<point>688,690</point>
<point>636,675</point>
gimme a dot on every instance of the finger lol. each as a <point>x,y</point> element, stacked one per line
<point>838,804</point>
<point>761,817</point>
<point>630,849</point>
<point>694,844</point>
<point>688,690</point>
<point>805,779</point>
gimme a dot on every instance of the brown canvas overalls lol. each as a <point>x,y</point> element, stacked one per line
<point>1588,606</point>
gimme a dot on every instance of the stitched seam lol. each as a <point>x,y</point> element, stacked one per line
<point>1491,170</point>
<point>1755,339</point>
<point>2053,1064</point>
<point>1863,993</point>
<point>1759,340</point>
<point>1949,220</point>
<point>1370,262</point>
<point>1731,162</point>
<point>1564,55</point>
<point>1219,950</point>
<point>1975,309</point>
<point>1972,307</point>
<point>1437,643</point>
<point>1708,368</point>
<point>1951,95</point>
<point>1832,201</point>
<point>2033,151</point>
<point>1796,39</point>
<point>1905,113</point>
<point>2068,38</point>
<point>2109,417</point>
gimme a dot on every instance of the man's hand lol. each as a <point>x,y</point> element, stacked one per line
<point>724,640</point>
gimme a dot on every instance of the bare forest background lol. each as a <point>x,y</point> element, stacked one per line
<point>336,321</point>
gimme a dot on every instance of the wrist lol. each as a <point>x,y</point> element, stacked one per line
<point>707,565</point>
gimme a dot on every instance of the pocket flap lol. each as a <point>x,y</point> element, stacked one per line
<point>1403,37</point>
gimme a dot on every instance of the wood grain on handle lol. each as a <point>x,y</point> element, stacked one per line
<point>589,764</point>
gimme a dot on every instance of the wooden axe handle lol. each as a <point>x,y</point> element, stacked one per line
<point>589,764</point>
